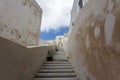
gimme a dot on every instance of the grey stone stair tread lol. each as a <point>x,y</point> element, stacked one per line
<point>55,78</point>
<point>54,75</point>
<point>56,64</point>
<point>57,60</point>
<point>60,59</point>
<point>56,70</point>
<point>56,67</point>
<point>59,69</point>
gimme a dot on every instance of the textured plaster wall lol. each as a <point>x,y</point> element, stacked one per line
<point>74,12</point>
<point>18,62</point>
<point>75,9</point>
<point>94,43</point>
<point>20,21</point>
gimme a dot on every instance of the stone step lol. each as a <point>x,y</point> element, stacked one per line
<point>60,57</point>
<point>60,60</point>
<point>54,75</point>
<point>56,64</point>
<point>56,71</point>
<point>59,69</point>
<point>56,67</point>
<point>72,78</point>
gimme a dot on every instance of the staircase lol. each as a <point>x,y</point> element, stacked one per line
<point>59,69</point>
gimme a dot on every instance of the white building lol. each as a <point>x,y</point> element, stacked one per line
<point>51,42</point>
<point>77,5</point>
<point>58,41</point>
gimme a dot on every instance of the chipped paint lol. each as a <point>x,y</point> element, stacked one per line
<point>109,26</point>
<point>87,41</point>
<point>96,32</point>
<point>22,28</point>
<point>109,23</point>
<point>98,45</point>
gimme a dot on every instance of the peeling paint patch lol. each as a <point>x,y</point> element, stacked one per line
<point>110,5</point>
<point>17,36</point>
<point>109,26</point>
<point>87,41</point>
<point>109,23</point>
<point>96,32</point>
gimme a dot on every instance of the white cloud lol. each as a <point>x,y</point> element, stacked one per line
<point>56,13</point>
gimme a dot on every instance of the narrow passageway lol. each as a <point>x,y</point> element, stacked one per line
<point>58,69</point>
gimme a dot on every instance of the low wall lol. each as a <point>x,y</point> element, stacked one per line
<point>93,46</point>
<point>18,62</point>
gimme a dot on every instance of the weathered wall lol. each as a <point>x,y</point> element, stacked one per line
<point>74,12</point>
<point>20,21</point>
<point>75,9</point>
<point>94,42</point>
<point>18,62</point>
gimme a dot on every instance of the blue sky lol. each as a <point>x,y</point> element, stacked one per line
<point>55,18</point>
<point>53,33</point>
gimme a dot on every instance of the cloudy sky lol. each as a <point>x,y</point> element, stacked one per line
<point>56,14</point>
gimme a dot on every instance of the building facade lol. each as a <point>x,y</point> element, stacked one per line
<point>77,5</point>
<point>20,21</point>
<point>94,44</point>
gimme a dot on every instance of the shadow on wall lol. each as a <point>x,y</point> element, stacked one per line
<point>18,62</point>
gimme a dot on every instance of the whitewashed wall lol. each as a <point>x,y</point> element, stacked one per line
<point>20,21</point>
<point>74,12</point>
<point>94,43</point>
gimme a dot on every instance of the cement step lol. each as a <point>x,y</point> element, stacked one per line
<point>72,78</point>
<point>56,71</point>
<point>60,59</point>
<point>55,75</point>
<point>56,67</point>
<point>59,69</point>
<point>57,62</point>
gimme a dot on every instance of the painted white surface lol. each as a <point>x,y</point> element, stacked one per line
<point>20,21</point>
<point>87,41</point>
<point>110,5</point>
<point>85,2</point>
<point>100,5</point>
<point>96,32</point>
<point>74,10</point>
<point>109,25</point>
